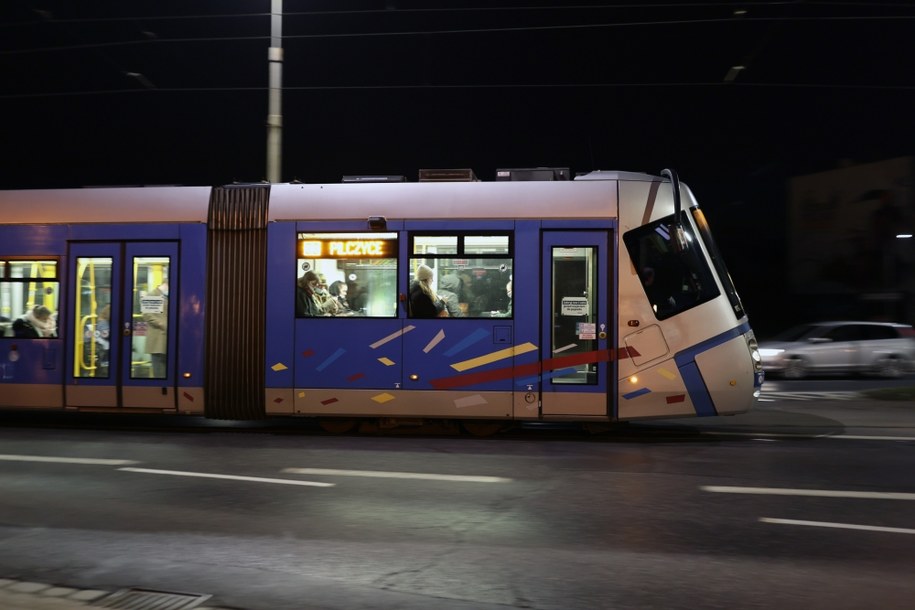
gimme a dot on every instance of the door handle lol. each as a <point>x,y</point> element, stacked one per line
<point>127,331</point>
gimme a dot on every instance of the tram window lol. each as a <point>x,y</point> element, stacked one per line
<point>675,278</point>
<point>486,244</point>
<point>471,274</point>
<point>346,275</point>
<point>92,316</point>
<point>149,345</point>
<point>435,244</point>
<point>29,296</point>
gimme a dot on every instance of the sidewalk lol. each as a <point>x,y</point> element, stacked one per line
<point>25,595</point>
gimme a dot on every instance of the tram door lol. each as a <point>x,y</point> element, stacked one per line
<point>576,323</point>
<point>121,329</point>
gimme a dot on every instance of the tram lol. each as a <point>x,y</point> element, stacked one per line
<point>601,298</point>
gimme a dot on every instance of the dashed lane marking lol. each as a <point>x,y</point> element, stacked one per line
<point>770,396</point>
<point>776,435</point>
<point>845,526</point>
<point>65,460</point>
<point>817,493</point>
<point>231,477</point>
<point>398,475</point>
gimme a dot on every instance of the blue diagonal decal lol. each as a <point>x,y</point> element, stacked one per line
<point>477,335</point>
<point>331,358</point>
<point>634,393</point>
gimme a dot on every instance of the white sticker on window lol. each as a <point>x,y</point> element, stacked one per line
<point>574,306</point>
<point>152,304</point>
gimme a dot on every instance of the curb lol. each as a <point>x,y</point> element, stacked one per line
<point>28,595</point>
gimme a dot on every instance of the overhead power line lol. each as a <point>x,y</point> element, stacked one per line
<point>495,30</point>
<point>700,85</point>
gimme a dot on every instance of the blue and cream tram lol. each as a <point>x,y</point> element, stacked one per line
<point>598,299</point>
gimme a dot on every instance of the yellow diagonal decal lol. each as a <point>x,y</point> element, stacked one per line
<point>279,366</point>
<point>502,354</point>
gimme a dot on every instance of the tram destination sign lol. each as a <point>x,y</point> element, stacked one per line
<point>351,247</point>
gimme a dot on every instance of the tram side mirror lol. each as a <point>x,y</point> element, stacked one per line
<point>678,235</point>
<point>680,239</point>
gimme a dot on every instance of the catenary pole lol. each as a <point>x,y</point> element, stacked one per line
<point>275,103</point>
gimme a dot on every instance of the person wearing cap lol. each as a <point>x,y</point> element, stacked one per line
<point>306,301</point>
<point>424,303</point>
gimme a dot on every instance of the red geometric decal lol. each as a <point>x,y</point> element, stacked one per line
<point>629,352</point>
<point>534,368</point>
<point>678,398</point>
<point>277,400</point>
<point>355,376</point>
<point>188,396</point>
<point>328,401</point>
<point>308,353</point>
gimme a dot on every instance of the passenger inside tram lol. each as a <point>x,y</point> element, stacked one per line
<point>35,323</point>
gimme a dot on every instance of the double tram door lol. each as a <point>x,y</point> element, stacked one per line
<point>121,331</point>
<point>576,333</point>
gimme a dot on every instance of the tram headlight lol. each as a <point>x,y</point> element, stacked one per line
<point>755,354</point>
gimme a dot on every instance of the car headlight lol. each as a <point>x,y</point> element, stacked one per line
<point>770,352</point>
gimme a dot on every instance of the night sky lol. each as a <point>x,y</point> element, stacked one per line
<point>175,92</point>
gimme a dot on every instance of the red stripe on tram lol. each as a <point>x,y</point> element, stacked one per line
<point>534,368</point>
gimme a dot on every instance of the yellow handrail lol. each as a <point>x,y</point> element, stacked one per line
<point>80,341</point>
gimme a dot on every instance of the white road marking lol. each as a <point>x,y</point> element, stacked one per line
<point>818,493</point>
<point>232,477</point>
<point>844,437</point>
<point>398,475</point>
<point>861,437</point>
<point>64,460</point>
<point>845,526</point>
<point>775,395</point>
<point>769,435</point>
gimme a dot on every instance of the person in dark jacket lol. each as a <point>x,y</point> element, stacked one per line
<point>306,299</point>
<point>36,323</point>
<point>424,303</point>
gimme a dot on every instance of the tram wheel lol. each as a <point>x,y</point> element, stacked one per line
<point>483,427</point>
<point>337,425</point>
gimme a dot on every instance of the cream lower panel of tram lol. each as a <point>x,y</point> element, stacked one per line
<point>732,392</point>
<point>31,395</point>
<point>656,391</point>
<point>390,403</point>
<point>92,396</point>
<point>561,405</point>
<point>152,397</point>
<point>190,400</point>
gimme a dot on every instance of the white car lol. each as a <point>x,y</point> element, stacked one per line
<point>886,349</point>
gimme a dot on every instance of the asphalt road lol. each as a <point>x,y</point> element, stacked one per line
<point>798,504</point>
